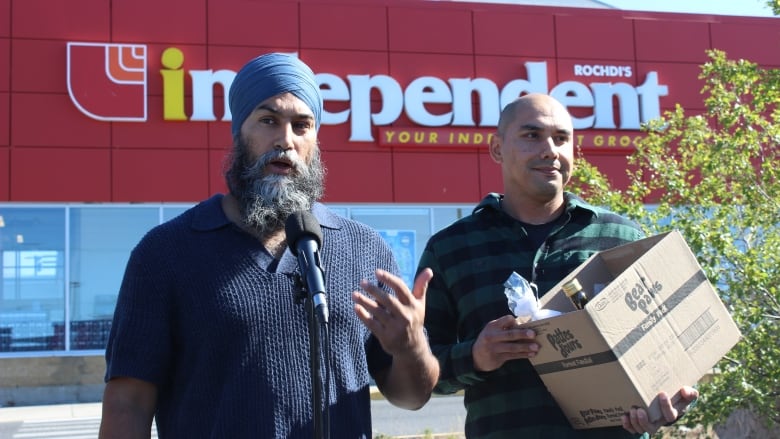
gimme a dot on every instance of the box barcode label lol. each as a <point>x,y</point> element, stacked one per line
<point>696,329</point>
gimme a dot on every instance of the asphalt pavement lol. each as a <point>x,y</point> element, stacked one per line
<point>442,417</point>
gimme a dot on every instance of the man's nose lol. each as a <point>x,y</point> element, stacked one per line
<point>549,148</point>
<point>284,141</point>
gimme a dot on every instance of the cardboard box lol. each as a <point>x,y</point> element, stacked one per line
<point>656,325</point>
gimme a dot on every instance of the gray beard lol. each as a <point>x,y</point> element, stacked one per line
<point>266,201</point>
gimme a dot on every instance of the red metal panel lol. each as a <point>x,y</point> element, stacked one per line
<point>5,58</point>
<point>436,178</point>
<point>33,124</point>
<point>353,27</point>
<point>5,18</point>
<point>82,20</point>
<point>655,38</point>
<point>159,133</point>
<point>5,117</point>
<point>26,72</point>
<point>509,33</point>
<point>577,70</point>
<point>406,67</point>
<point>334,138</point>
<point>502,69</point>
<point>598,71</point>
<point>219,135</point>
<point>612,166</point>
<point>589,36</point>
<point>194,58</point>
<point>347,62</point>
<point>358,177</point>
<point>410,39</point>
<point>257,23</point>
<point>217,161</point>
<point>754,40</point>
<point>159,175</point>
<point>595,142</point>
<point>150,21</point>
<point>5,174</point>
<point>683,82</point>
<point>343,64</point>
<point>60,174</point>
<point>234,57</point>
<point>490,178</point>
<point>430,30</point>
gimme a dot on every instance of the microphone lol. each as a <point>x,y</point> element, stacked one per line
<point>304,238</point>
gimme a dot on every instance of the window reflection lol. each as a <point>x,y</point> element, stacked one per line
<point>406,229</point>
<point>32,292</point>
<point>170,212</point>
<point>65,263</point>
<point>101,239</point>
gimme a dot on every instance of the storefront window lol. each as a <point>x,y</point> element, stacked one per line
<point>32,244</point>
<point>62,266</point>
<point>101,239</point>
<point>406,229</point>
<point>171,212</point>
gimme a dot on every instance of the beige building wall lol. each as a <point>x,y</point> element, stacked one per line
<point>51,380</point>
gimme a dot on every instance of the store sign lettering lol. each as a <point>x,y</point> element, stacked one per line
<point>108,81</point>
<point>444,137</point>
<point>449,137</point>
<point>602,70</point>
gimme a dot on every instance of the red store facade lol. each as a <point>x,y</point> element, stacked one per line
<point>112,119</point>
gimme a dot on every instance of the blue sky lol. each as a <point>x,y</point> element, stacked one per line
<point>722,7</point>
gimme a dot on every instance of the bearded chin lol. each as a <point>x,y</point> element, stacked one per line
<point>267,200</point>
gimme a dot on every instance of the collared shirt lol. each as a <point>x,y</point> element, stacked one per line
<point>471,259</point>
<point>226,341</point>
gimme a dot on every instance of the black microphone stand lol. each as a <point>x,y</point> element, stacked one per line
<point>304,237</point>
<point>319,360</point>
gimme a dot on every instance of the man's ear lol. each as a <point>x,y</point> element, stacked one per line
<point>494,148</point>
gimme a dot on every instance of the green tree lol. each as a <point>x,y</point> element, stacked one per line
<point>775,5</point>
<point>714,177</point>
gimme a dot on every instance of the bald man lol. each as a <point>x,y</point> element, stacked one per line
<point>542,232</point>
<point>209,337</point>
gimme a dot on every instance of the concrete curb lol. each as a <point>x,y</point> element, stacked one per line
<point>50,412</point>
<point>76,411</point>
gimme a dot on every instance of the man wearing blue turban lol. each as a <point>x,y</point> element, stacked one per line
<point>209,336</point>
<point>260,91</point>
<point>269,75</point>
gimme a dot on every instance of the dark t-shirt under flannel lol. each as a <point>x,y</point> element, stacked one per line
<point>471,259</point>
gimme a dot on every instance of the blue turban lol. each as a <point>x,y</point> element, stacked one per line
<point>267,76</point>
